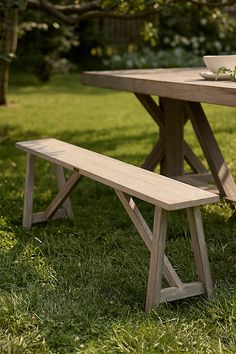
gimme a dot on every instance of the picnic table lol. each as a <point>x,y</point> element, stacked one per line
<point>180,92</point>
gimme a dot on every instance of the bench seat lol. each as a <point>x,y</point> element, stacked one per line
<point>155,189</point>
<point>164,193</point>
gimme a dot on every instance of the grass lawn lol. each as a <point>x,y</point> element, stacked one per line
<point>79,287</point>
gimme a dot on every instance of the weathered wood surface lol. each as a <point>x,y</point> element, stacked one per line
<point>183,84</point>
<point>163,192</point>
<point>176,88</point>
<point>29,190</point>
<point>151,187</point>
<point>215,159</point>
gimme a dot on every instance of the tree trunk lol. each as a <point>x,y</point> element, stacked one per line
<point>9,44</point>
<point>4,78</point>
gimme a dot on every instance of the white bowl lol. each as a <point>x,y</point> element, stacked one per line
<point>214,62</point>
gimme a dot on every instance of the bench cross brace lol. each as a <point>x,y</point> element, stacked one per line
<point>53,210</point>
<point>159,263</point>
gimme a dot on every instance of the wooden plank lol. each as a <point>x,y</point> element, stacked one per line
<point>173,163</point>
<point>48,149</point>
<point>179,83</point>
<point>147,236</point>
<point>200,249</point>
<point>62,194</point>
<point>60,178</point>
<point>156,259</point>
<point>170,274</point>
<point>216,162</point>
<point>151,187</point>
<point>205,177</point>
<point>41,216</point>
<point>190,289</point>
<point>200,180</point>
<point>137,218</point>
<point>158,151</point>
<point>28,195</point>
<point>152,108</point>
<point>155,156</point>
<point>232,198</point>
<point>193,160</point>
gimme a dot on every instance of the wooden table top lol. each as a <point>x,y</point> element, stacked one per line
<point>178,83</point>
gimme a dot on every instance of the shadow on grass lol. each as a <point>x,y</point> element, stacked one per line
<point>80,272</point>
<point>99,141</point>
<point>82,279</point>
<point>25,85</point>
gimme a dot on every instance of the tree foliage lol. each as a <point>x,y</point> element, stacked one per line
<point>8,40</point>
<point>75,12</point>
<point>7,8</point>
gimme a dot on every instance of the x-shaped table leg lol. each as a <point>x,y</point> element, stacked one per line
<point>171,150</point>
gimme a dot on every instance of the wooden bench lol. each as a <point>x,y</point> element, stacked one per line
<point>164,193</point>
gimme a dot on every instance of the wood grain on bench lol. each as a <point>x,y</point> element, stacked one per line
<point>164,193</point>
<point>153,188</point>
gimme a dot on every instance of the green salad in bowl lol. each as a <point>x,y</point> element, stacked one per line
<point>225,70</point>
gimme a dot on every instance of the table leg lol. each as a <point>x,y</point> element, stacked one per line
<point>158,152</point>
<point>193,160</point>
<point>152,108</point>
<point>171,150</point>
<point>211,150</point>
<point>155,157</point>
<point>173,162</point>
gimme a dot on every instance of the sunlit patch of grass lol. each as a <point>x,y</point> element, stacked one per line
<point>80,286</point>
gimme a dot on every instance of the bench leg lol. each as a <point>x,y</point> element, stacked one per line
<point>157,259</point>
<point>160,264</point>
<point>60,178</point>
<point>28,193</point>
<point>147,235</point>
<point>200,249</point>
<point>52,211</point>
